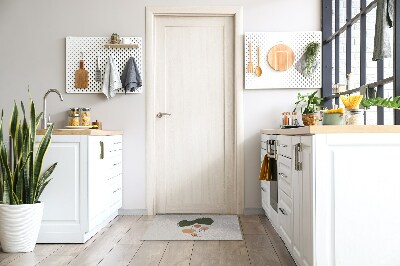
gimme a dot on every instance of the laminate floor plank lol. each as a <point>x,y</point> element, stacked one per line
<point>134,235</point>
<point>251,224</point>
<point>6,258</point>
<point>205,253</point>
<point>40,253</point>
<point>56,260</point>
<point>121,254</point>
<point>177,253</point>
<point>94,253</point>
<point>150,253</point>
<point>261,251</point>
<point>280,248</point>
<point>119,243</point>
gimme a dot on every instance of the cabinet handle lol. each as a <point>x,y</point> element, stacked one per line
<point>101,150</point>
<point>282,145</point>
<point>283,175</point>
<point>263,189</point>
<point>283,211</point>
<point>297,164</point>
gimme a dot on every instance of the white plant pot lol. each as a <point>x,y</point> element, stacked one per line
<point>19,226</point>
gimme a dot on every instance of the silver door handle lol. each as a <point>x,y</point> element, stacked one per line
<point>159,115</point>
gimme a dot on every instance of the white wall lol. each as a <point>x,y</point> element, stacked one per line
<point>32,51</point>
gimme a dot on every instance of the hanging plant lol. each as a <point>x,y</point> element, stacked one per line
<point>311,56</point>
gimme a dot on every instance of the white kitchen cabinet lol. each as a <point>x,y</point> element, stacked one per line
<point>303,200</point>
<point>343,197</point>
<point>86,188</point>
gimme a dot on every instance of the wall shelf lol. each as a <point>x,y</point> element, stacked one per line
<point>135,46</point>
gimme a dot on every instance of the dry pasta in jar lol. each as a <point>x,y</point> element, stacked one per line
<point>85,117</point>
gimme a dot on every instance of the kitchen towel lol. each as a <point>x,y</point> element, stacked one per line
<point>384,21</point>
<point>131,79</point>
<point>112,81</point>
<point>265,171</point>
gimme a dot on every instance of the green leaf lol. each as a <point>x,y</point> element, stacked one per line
<point>42,148</point>
<point>8,177</point>
<point>14,121</point>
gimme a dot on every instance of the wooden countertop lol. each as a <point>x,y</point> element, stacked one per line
<point>88,132</point>
<point>311,130</point>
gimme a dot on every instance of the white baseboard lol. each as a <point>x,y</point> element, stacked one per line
<point>253,211</point>
<point>247,211</point>
<point>132,211</point>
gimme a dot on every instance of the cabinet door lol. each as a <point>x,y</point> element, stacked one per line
<point>307,201</point>
<point>303,202</point>
<point>64,219</point>
<point>98,197</point>
<point>297,204</point>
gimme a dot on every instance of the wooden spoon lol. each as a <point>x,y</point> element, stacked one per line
<point>258,69</point>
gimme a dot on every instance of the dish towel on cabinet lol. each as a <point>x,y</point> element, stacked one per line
<point>131,79</point>
<point>112,81</point>
<point>265,171</point>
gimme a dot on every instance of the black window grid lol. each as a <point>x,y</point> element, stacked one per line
<point>329,37</point>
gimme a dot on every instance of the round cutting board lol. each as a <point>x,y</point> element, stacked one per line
<point>280,57</point>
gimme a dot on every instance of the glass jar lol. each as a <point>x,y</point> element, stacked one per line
<point>73,120</point>
<point>355,117</point>
<point>74,111</point>
<point>85,117</point>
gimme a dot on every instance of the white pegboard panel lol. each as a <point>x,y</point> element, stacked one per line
<point>291,78</point>
<point>91,46</point>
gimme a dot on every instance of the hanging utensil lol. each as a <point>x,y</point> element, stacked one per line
<point>280,57</point>
<point>250,67</point>
<point>81,75</point>
<point>258,69</point>
<point>98,72</point>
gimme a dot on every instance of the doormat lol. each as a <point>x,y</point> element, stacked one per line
<point>194,227</point>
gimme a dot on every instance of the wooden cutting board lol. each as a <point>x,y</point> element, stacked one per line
<point>81,77</point>
<point>280,57</point>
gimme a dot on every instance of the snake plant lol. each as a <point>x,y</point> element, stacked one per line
<point>21,178</point>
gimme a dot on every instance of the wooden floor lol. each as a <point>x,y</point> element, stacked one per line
<point>119,244</point>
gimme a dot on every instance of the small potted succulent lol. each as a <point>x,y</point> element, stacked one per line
<point>22,181</point>
<point>309,105</point>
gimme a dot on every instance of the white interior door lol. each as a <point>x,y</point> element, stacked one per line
<point>194,82</point>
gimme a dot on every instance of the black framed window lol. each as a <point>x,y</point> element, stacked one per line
<point>348,30</point>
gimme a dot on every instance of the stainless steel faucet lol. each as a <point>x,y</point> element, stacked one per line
<point>44,120</point>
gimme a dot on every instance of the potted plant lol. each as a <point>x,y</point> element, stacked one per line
<point>309,104</point>
<point>22,181</point>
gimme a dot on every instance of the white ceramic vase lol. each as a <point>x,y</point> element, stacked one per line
<point>19,226</point>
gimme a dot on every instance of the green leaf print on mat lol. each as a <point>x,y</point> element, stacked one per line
<point>207,221</point>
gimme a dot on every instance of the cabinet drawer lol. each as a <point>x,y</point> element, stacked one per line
<point>284,146</point>
<point>264,137</point>
<point>285,218</point>
<point>285,175</point>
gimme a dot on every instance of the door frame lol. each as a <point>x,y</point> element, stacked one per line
<point>151,14</point>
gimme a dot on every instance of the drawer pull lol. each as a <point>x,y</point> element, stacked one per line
<point>283,211</point>
<point>283,175</point>
<point>101,150</point>
<point>282,145</point>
